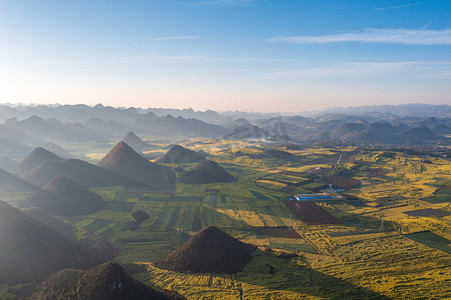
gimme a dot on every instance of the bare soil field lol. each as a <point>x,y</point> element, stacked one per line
<point>282,232</point>
<point>343,182</point>
<point>311,214</point>
<point>427,212</point>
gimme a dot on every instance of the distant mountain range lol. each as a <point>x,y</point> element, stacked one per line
<point>409,131</point>
<point>27,127</point>
<point>401,110</point>
<point>83,113</point>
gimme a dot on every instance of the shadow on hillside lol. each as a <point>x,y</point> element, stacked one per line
<point>290,276</point>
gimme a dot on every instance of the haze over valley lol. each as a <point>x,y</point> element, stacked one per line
<point>225,149</point>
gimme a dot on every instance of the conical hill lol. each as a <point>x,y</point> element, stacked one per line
<point>64,197</point>
<point>123,160</point>
<point>35,158</point>
<point>211,250</point>
<point>135,142</point>
<point>207,172</point>
<point>108,281</point>
<point>179,155</point>
<point>79,171</point>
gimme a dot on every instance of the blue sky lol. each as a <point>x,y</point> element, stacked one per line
<point>258,55</point>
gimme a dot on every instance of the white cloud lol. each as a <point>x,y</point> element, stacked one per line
<point>226,3</point>
<point>374,35</point>
<point>414,68</point>
<point>158,59</point>
<point>439,75</point>
<point>200,59</point>
<point>173,38</point>
<point>398,6</point>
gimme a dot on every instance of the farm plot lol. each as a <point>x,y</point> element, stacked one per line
<point>379,172</point>
<point>270,184</point>
<point>292,174</point>
<point>120,206</point>
<point>289,189</point>
<point>97,225</point>
<point>286,177</point>
<point>166,219</point>
<point>187,198</point>
<point>208,216</point>
<point>173,219</point>
<point>195,286</point>
<point>431,239</point>
<point>441,195</point>
<point>154,197</point>
<point>427,212</point>
<point>121,196</point>
<point>271,217</point>
<point>106,194</point>
<point>212,198</point>
<point>247,217</point>
<point>142,251</point>
<point>259,196</point>
<point>343,182</point>
<point>293,247</point>
<point>311,214</point>
<point>115,229</point>
<point>260,233</point>
<point>186,217</point>
<point>196,224</point>
<point>282,232</point>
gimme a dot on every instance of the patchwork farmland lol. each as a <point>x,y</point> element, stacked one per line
<point>257,210</point>
<point>392,210</point>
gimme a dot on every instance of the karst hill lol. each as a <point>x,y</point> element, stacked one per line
<point>207,172</point>
<point>123,160</point>
<point>211,250</point>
